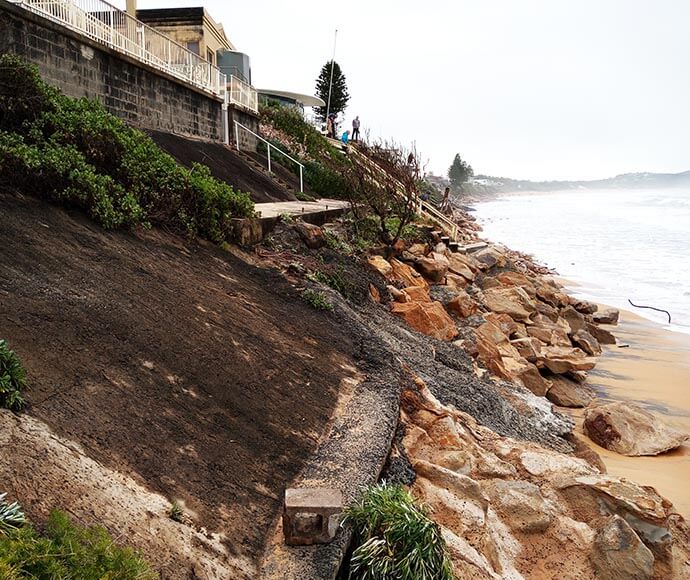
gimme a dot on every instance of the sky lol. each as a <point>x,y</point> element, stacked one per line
<point>529,89</point>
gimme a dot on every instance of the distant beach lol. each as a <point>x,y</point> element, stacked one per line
<point>611,246</point>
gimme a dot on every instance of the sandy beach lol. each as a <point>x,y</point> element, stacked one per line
<point>654,371</point>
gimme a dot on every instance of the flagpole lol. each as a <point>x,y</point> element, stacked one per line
<point>330,84</point>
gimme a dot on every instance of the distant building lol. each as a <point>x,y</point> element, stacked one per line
<point>193,28</point>
<point>296,100</point>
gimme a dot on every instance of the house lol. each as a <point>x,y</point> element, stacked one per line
<point>193,28</point>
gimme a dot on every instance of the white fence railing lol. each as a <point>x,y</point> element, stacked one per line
<point>240,127</point>
<point>102,22</point>
<point>244,94</point>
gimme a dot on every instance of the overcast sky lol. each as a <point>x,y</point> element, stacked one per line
<point>536,89</point>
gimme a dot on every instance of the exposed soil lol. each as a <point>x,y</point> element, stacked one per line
<point>225,165</point>
<point>203,378</point>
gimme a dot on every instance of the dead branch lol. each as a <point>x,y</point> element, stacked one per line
<point>666,312</point>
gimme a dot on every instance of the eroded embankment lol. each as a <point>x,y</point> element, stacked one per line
<point>165,370</point>
<point>187,372</point>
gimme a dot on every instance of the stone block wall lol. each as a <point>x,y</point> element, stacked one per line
<point>247,141</point>
<point>140,95</point>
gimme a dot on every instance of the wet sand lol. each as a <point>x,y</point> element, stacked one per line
<point>653,371</point>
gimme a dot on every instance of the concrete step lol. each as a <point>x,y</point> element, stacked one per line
<point>469,248</point>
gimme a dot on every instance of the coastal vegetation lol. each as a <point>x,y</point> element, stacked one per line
<point>395,538</point>
<point>64,550</point>
<point>324,165</point>
<point>74,153</point>
<point>12,379</point>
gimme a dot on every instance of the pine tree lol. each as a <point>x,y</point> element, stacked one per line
<point>459,172</point>
<point>339,94</point>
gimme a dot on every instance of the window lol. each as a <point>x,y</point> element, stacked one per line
<point>209,56</point>
<point>193,47</point>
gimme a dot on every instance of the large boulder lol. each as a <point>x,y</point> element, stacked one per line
<point>546,310</point>
<point>587,342</point>
<point>528,375</point>
<point>628,429</point>
<point>455,281</point>
<point>583,306</point>
<point>607,316</point>
<point>565,392</point>
<point>460,267</point>
<point>549,333</point>
<point>649,514</point>
<point>529,348</point>
<point>463,304</point>
<point>429,318</point>
<point>490,257</point>
<point>519,504</point>
<point>416,294</point>
<point>491,332</point>
<point>602,335</point>
<point>619,554</point>
<point>517,279</point>
<point>433,268</point>
<point>507,325</point>
<point>553,296</point>
<point>561,359</point>
<point>380,265</point>
<point>313,236</point>
<point>405,275</point>
<point>512,301</point>
<point>575,320</point>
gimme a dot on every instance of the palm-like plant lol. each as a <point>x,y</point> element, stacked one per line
<point>12,379</point>
<point>395,538</point>
<point>11,515</point>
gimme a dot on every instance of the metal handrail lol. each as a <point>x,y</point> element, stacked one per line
<point>423,208</point>
<point>239,125</point>
<point>108,25</point>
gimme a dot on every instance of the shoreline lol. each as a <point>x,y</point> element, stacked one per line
<point>653,371</point>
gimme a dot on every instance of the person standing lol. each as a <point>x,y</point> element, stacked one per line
<point>355,128</point>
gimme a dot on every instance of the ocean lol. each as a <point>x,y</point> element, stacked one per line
<point>615,245</point>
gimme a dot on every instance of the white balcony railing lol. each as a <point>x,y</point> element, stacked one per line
<point>102,22</point>
<point>242,93</point>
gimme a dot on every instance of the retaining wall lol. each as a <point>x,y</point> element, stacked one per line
<point>141,95</point>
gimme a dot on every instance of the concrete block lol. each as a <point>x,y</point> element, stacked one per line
<point>246,232</point>
<point>310,515</point>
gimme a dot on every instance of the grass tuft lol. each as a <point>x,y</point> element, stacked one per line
<point>395,538</point>
<point>316,300</point>
<point>176,513</point>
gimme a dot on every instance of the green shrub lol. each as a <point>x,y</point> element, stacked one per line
<point>11,516</point>
<point>12,379</point>
<point>395,540</point>
<point>337,279</point>
<point>316,300</point>
<point>68,552</point>
<point>291,122</point>
<point>324,180</point>
<point>73,152</point>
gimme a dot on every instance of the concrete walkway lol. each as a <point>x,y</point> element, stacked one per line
<point>299,208</point>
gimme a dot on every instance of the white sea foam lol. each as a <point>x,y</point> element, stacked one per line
<point>616,244</point>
